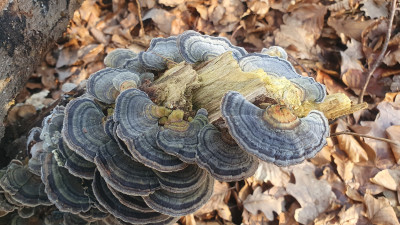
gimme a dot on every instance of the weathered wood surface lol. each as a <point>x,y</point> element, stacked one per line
<point>28,29</point>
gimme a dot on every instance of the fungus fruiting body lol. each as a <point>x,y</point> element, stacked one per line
<point>129,152</point>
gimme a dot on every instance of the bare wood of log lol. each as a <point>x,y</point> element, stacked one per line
<point>206,84</point>
<point>28,29</point>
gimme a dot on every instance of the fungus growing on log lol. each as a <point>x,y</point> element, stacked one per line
<point>129,152</point>
<point>195,47</point>
<point>160,51</point>
<point>275,134</point>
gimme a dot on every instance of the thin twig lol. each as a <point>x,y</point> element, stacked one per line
<point>366,136</point>
<point>141,31</point>
<point>380,57</point>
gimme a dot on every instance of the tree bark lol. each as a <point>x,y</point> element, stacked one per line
<point>28,29</point>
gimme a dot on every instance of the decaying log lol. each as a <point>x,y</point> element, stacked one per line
<point>28,29</point>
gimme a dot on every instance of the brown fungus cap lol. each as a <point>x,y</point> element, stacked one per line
<point>160,51</point>
<point>117,58</point>
<point>274,135</point>
<point>83,130</point>
<point>23,186</point>
<point>195,47</point>
<point>64,190</point>
<point>137,118</point>
<point>180,204</point>
<point>113,205</point>
<point>225,162</point>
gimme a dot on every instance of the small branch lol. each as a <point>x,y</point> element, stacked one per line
<point>366,136</point>
<point>141,31</point>
<point>380,57</point>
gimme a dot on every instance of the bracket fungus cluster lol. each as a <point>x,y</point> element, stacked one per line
<point>124,153</point>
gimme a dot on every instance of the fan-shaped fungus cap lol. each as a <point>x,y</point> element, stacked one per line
<point>274,134</point>
<point>195,47</point>
<point>160,51</point>
<point>23,186</point>
<point>179,204</point>
<point>180,138</point>
<point>83,130</point>
<point>271,65</point>
<point>311,89</point>
<point>100,85</point>
<point>63,189</point>
<point>131,201</point>
<point>134,65</point>
<point>113,206</point>
<point>35,163</point>
<point>275,51</point>
<point>122,173</point>
<point>125,80</point>
<point>76,164</point>
<point>225,162</point>
<point>52,125</point>
<point>144,148</point>
<point>137,117</point>
<point>117,58</point>
<point>188,179</point>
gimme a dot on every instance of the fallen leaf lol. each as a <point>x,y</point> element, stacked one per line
<point>221,189</point>
<point>314,196</point>
<point>264,202</point>
<point>259,7</point>
<point>349,26</point>
<point>362,183</point>
<point>161,18</point>
<point>250,219</point>
<point>393,133</point>
<point>389,115</point>
<point>278,176</point>
<point>375,9</point>
<point>351,56</point>
<point>351,215</point>
<point>287,218</point>
<point>350,145</point>
<point>67,57</point>
<point>393,55</point>
<point>301,30</point>
<point>389,178</point>
<point>379,211</point>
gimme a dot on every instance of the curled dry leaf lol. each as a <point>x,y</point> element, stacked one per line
<point>379,211</point>
<point>265,202</point>
<point>389,178</point>
<point>393,133</point>
<point>279,176</point>
<point>389,115</point>
<point>301,30</point>
<point>351,215</point>
<point>350,145</point>
<point>221,190</point>
<point>375,9</point>
<point>314,196</point>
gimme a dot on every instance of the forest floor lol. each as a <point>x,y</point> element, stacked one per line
<point>355,179</point>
